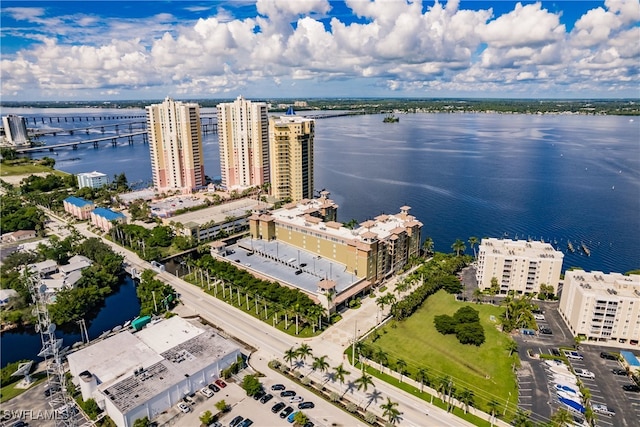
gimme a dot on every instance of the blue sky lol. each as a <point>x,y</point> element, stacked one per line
<point>92,50</point>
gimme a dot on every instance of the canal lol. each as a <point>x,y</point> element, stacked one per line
<point>123,305</point>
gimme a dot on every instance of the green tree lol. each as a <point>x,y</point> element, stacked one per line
<point>522,419</point>
<point>222,406</point>
<point>427,246</point>
<point>290,356</point>
<point>364,381</point>
<point>207,418</point>
<point>142,422</point>
<point>422,377</point>
<point>304,351</point>
<point>320,364</point>
<point>458,246</point>
<point>470,333</point>
<point>390,411</point>
<point>561,418</point>
<point>466,397</point>
<point>300,419</point>
<point>478,295</point>
<point>512,347</point>
<point>381,357</point>
<point>473,241</point>
<point>251,385</point>
<point>340,373</point>
<point>400,367</point>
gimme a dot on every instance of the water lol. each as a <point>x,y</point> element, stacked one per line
<point>119,307</point>
<point>556,178</point>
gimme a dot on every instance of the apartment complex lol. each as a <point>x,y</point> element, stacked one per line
<point>243,134</point>
<point>602,307</point>
<point>373,251</point>
<point>93,179</point>
<point>291,156</point>
<point>15,130</point>
<point>78,207</point>
<point>518,265</point>
<point>175,145</point>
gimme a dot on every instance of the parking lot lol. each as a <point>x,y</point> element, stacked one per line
<point>537,393</point>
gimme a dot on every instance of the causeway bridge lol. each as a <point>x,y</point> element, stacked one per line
<point>96,142</point>
<point>102,127</point>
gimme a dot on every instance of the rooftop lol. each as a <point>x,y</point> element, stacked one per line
<point>530,249</point>
<point>218,214</point>
<point>77,201</point>
<point>598,283</point>
<point>108,214</point>
<point>94,174</point>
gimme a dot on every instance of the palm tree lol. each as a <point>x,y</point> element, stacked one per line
<point>466,398</point>
<point>427,246</point>
<point>290,356</point>
<point>381,357</point>
<point>458,246</point>
<point>473,241</point>
<point>364,381</point>
<point>477,294</point>
<point>381,301</point>
<point>512,346</point>
<point>522,419</point>
<point>443,385</point>
<point>390,410</point>
<point>340,373</point>
<point>561,418</point>
<point>422,377</point>
<point>400,365</point>
<point>493,406</point>
<point>320,364</point>
<point>304,351</point>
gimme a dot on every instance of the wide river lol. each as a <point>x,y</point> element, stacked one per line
<point>551,177</point>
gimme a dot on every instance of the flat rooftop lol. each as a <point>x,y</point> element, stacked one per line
<point>280,261</point>
<point>217,214</point>
<point>166,207</point>
<point>532,249</point>
<point>611,284</point>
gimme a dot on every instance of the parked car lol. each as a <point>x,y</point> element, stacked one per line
<point>538,316</point>
<point>631,387</point>
<point>220,383</point>
<point>246,423</point>
<point>546,331</point>
<point>277,407</point>
<point>237,420</point>
<point>308,424</point>
<point>183,407</point>
<point>206,391</point>
<point>266,398</point>
<point>584,373</point>
<point>213,388</point>
<point>286,412</point>
<point>619,371</point>
<point>603,409</point>
<point>20,423</point>
<point>259,395</point>
<point>276,387</point>
<point>296,399</point>
<point>607,355</point>
<point>573,355</point>
<point>188,399</point>
<point>306,405</point>
<point>555,352</point>
<point>287,393</point>
<point>292,416</point>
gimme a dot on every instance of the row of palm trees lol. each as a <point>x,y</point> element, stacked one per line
<point>298,356</point>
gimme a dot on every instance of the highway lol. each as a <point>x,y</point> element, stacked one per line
<point>272,343</point>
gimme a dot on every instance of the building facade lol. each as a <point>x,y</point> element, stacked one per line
<point>518,265</point>
<point>373,251</point>
<point>15,130</point>
<point>93,179</point>
<point>291,157</point>
<point>78,207</point>
<point>175,145</point>
<point>602,307</point>
<point>243,135</point>
<point>105,218</point>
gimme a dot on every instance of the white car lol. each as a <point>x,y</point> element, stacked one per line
<point>538,316</point>
<point>584,373</point>
<point>573,355</point>
<point>295,399</point>
<point>184,407</point>
<point>602,409</point>
<point>206,391</point>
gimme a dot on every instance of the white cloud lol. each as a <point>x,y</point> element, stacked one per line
<point>396,46</point>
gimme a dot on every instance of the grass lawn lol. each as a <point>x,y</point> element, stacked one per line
<point>27,169</point>
<point>486,370</point>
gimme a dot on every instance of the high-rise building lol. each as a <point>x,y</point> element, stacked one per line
<point>518,265</point>
<point>291,157</point>
<point>175,144</point>
<point>243,133</point>
<point>15,130</point>
<point>602,307</point>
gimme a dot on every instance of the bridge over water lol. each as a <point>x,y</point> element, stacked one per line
<point>96,142</point>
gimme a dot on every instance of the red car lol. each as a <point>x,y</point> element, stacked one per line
<point>221,383</point>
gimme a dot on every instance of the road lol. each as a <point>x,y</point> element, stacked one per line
<point>272,343</point>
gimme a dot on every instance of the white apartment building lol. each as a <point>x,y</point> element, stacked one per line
<point>15,130</point>
<point>175,145</point>
<point>518,265</point>
<point>243,135</point>
<point>602,307</point>
<point>93,179</point>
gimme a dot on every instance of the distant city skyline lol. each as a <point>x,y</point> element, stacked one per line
<point>55,50</point>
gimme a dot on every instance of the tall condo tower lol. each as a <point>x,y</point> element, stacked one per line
<point>175,144</point>
<point>291,156</point>
<point>243,133</point>
<point>15,130</point>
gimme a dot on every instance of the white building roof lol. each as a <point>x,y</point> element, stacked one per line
<point>523,248</point>
<point>599,284</point>
<point>218,214</point>
<point>168,334</point>
<point>5,294</point>
<point>43,266</point>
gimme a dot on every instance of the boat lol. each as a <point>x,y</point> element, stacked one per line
<point>391,119</point>
<point>570,246</point>
<point>104,334</point>
<point>585,249</point>
<point>117,328</point>
<point>126,324</point>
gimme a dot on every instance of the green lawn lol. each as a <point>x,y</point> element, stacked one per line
<point>27,169</point>
<point>486,370</point>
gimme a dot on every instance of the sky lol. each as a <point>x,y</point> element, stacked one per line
<point>126,50</point>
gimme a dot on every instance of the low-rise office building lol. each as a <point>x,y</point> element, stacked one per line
<point>142,374</point>
<point>518,265</point>
<point>602,307</point>
<point>78,207</point>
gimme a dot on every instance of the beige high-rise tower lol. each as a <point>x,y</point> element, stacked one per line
<point>291,155</point>
<point>175,144</point>
<point>243,133</point>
